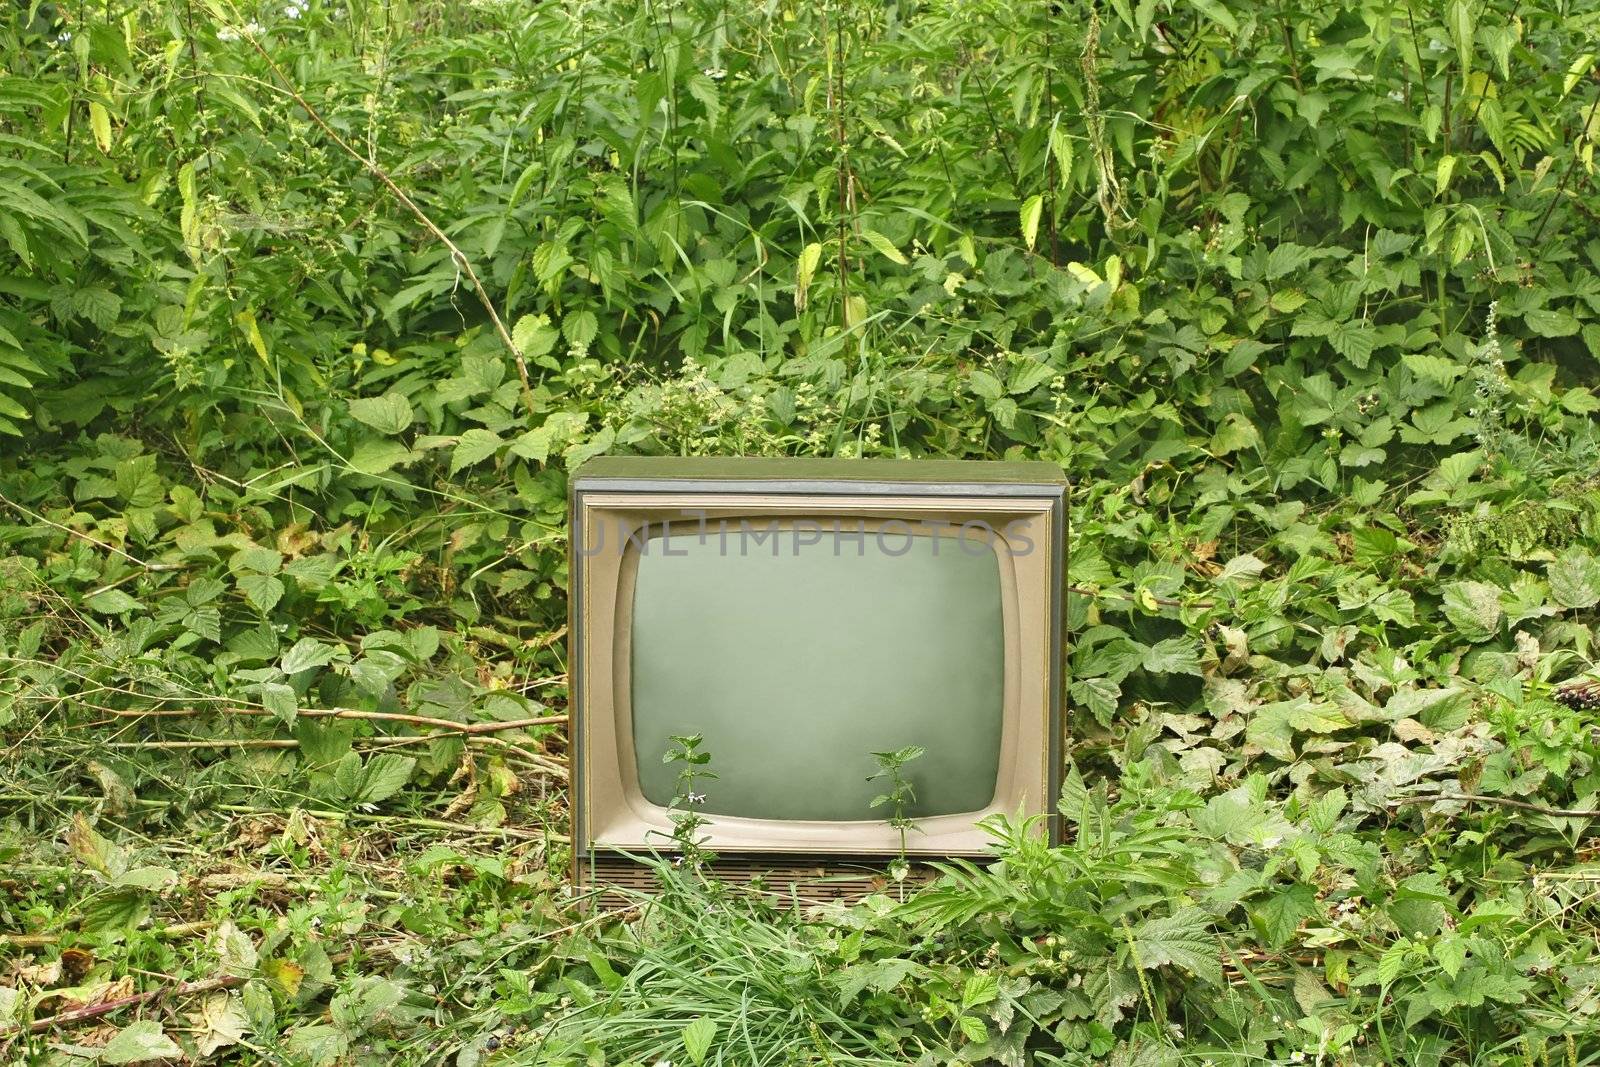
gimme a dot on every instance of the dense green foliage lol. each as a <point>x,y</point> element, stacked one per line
<point>1306,296</point>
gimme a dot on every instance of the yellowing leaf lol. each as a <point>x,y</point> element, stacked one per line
<point>805,268</point>
<point>1032,209</point>
<point>284,975</point>
<point>1441,175</point>
<point>100,123</point>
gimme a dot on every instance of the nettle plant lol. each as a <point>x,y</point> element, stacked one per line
<point>898,796</point>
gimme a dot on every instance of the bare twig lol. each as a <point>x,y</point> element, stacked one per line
<point>459,257</point>
<point>543,763</point>
<point>106,1007</point>
<point>1571,163</point>
<point>80,535</point>
<point>1504,802</point>
<point>353,713</point>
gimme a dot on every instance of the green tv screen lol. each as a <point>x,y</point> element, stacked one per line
<point>796,661</point>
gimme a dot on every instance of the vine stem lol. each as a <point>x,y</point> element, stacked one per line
<point>459,257</point>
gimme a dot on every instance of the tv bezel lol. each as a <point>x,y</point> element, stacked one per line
<point>786,487</point>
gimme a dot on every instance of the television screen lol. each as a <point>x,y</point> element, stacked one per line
<point>795,661</point>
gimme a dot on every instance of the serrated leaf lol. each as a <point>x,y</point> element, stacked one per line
<point>389,413</point>
<point>973,1029</point>
<point>1463,21</point>
<point>1354,341</point>
<point>263,591</point>
<point>1575,579</point>
<point>697,1038</point>
<point>979,989</point>
<point>140,1042</point>
<point>318,1045</point>
<point>1179,940</point>
<point>1473,608</point>
<point>986,385</point>
<point>111,602</point>
<point>581,327</point>
<point>377,456</point>
<point>1549,323</point>
<point>1280,915</point>
<point>1442,174</point>
<point>306,654</point>
<point>533,445</point>
<point>1174,655</point>
<point>885,247</point>
<point>280,700</point>
<point>534,335</point>
<point>384,775</point>
<point>474,446</point>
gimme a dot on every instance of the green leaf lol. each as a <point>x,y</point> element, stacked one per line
<point>534,336</point>
<point>985,385</point>
<point>384,775</point>
<point>318,1045</point>
<point>1280,915</point>
<point>979,989</point>
<point>1032,210</point>
<point>533,445</point>
<point>1575,579</point>
<point>111,602</point>
<point>1442,173</point>
<point>306,654</point>
<point>1354,341</point>
<point>280,700</point>
<point>389,413</point>
<point>1179,940</point>
<point>697,1038</point>
<point>581,327</point>
<point>885,247</point>
<point>1463,22</point>
<point>1473,608</point>
<point>1548,323</point>
<point>973,1029</point>
<point>475,446</point>
<point>139,1042</point>
<point>1217,12</point>
<point>375,456</point>
<point>1174,655</point>
<point>262,590</point>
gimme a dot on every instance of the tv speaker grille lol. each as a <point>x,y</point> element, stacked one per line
<point>786,881</point>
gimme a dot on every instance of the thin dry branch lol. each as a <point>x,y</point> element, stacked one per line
<point>80,535</point>
<point>459,257</point>
<point>350,713</point>
<point>1504,802</point>
<point>106,1007</point>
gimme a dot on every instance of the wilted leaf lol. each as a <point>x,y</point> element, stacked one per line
<point>138,1042</point>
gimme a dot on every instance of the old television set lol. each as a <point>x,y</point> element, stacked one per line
<point>800,615</point>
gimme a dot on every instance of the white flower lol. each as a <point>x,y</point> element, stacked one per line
<point>293,11</point>
<point>716,74</point>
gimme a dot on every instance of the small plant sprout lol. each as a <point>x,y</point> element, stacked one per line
<point>900,796</point>
<point>688,799</point>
